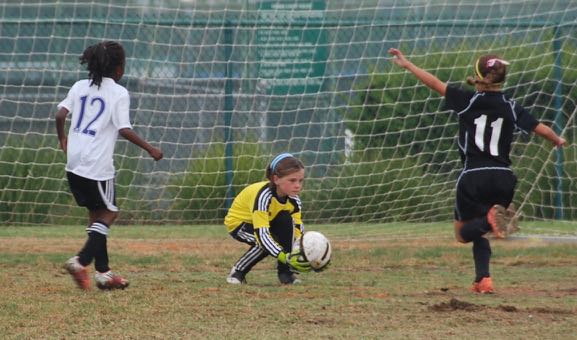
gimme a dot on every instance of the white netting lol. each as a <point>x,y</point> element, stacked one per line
<point>223,86</point>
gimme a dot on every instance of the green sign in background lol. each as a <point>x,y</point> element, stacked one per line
<point>292,50</point>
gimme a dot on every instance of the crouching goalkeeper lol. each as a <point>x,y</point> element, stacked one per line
<point>267,216</point>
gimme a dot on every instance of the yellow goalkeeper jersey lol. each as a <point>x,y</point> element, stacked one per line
<point>257,204</point>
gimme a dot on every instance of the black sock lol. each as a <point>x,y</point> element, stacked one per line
<point>482,257</point>
<point>95,247</point>
<point>475,229</point>
<point>101,255</point>
<point>98,231</point>
<point>87,253</point>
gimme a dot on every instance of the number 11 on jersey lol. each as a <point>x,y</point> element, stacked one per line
<point>480,125</point>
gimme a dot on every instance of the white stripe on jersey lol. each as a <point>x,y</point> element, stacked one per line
<point>463,147</point>
<point>264,199</point>
<point>477,94</point>
<point>512,104</point>
<point>486,168</point>
<point>298,200</point>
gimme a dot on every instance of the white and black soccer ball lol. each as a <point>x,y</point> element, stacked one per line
<point>316,249</point>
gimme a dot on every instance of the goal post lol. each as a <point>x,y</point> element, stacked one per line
<point>224,86</point>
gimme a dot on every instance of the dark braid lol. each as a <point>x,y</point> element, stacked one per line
<point>494,75</point>
<point>102,59</point>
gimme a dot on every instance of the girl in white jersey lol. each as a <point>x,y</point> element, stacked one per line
<point>100,111</point>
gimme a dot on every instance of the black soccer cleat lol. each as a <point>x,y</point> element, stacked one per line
<point>288,278</point>
<point>236,277</point>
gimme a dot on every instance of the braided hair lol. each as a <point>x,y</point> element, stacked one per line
<point>490,70</point>
<point>102,60</point>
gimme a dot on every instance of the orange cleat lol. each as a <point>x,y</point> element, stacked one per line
<point>78,272</point>
<point>485,286</point>
<point>110,280</point>
<point>498,218</point>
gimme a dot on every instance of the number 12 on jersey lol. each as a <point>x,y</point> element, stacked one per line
<point>95,101</point>
<point>480,126</point>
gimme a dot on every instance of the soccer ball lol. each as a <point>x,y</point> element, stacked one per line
<point>316,249</point>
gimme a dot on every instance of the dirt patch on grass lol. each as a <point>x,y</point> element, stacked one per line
<point>455,305</point>
<point>28,245</point>
<point>555,311</point>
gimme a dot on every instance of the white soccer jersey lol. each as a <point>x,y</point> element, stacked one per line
<point>97,115</point>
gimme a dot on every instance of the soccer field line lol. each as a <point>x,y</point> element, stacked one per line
<point>525,237</point>
<point>551,239</point>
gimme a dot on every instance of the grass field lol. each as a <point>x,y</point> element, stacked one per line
<point>389,281</point>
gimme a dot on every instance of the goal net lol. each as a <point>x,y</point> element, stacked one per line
<point>223,86</point>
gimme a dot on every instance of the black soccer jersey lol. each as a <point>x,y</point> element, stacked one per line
<point>487,122</point>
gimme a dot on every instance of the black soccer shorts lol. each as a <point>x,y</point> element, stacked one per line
<point>479,189</point>
<point>92,194</point>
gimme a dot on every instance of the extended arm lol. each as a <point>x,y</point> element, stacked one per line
<point>135,139</point>
<point>548,133</point>
<point>427,78</point>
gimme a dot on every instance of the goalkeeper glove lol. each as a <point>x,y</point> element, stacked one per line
<point>295,260</point>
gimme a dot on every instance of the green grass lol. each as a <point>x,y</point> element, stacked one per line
<point>393,281</point>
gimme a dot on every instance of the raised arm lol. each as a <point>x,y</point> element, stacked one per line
<point>548,133</point>
<point>427,78</point>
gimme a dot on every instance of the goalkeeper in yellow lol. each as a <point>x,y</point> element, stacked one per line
<point>267,216</point>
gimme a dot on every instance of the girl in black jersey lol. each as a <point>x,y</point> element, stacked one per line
<point>486,185</point>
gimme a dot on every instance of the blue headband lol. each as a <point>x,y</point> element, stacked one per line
<point>279,158</point>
